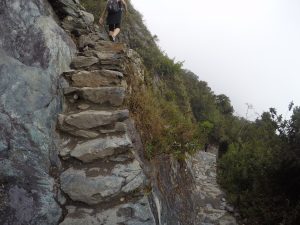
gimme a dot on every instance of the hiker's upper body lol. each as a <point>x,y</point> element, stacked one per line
<point>113,14</point>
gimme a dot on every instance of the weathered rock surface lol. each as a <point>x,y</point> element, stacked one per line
<point>134,213</point>
<point>84,133</point>
<point>73,15</point>
<point>91,187</point>
<point>34,51</point>
<point>83,62</point>
<point>118,128</point>
<point>92,118</point>
<point>101,148</point>
<point>211,203</point>
<point>113,96</point>
<point>97,78</point>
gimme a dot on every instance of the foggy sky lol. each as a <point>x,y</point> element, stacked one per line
<point>247,50</point>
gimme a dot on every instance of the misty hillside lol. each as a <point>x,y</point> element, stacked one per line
<point>100,132</point>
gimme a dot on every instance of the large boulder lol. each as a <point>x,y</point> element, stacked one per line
<point>34,51</point>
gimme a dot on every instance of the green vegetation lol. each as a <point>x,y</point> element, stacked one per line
<point>259,164</point>
<point>175,112</point>
<point>261,169</point>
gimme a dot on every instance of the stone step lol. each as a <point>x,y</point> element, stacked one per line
<point>117,128</point>
<point>133,213</point>
<point>102,55</point>
<point>96,78</point>
<point>92,187</point>
<point>112,96</point>
<point>88,40</point>
<point>109,47</point>
<point>90,119</point>
<point>99,148</point>
<point>81,62</point>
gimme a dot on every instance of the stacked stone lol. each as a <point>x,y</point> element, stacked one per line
<point>211,204</point>
<point>102,181</point>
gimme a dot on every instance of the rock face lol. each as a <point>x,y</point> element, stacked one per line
<point>73,16</point>
<point>187,193</point>
<point>34,51</point>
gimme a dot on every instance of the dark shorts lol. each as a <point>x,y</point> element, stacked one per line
<point>112,27</point>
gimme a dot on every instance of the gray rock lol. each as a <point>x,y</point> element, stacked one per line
<point>91,119</point>
<point>97,188</point>
<point>34,51</point>
<point>61,198</point>
<point>133,213</point>
<point>118,128</point>
<point>69,8</point>
<point>97,78</point>
<point>65,151</point>
<point>121,158</point>
<point>85,40</point>
<point>113,96</point>
<point>103,56</point>
<point>229,208</point>
<point>210,195</point>
<point>83,106</point>
<point>86,19</point>
<point>90,190</point>
<point>83,62</point>
<point>101,148</point>
<point>84,133</point>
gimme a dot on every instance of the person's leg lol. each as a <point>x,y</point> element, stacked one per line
<point>111,31</point>
<point>116,30</point>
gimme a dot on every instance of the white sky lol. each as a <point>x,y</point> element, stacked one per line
<point>248,50</point>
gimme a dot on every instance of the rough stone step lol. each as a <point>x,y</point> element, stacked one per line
<point>91,119</point>
<point>134,213</point>
<point>96,78</point>
<point>109,55</point>
<point>87,40</point>
<point>94,63</point>
<point>113,96</point>
<point>113,66</point>
<point>80,62</point>
<point>117,128</point>
<point>91,187</point>
<point>95,60</point>
<point>100,148</point>
<point>107,46</point>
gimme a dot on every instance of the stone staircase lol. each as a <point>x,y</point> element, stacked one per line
<point>101,182</point>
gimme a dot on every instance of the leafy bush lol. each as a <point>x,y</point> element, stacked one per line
<point>261,171</point>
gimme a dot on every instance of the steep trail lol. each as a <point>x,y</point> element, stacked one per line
<point>102,181</point>
<point>212,208</point>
